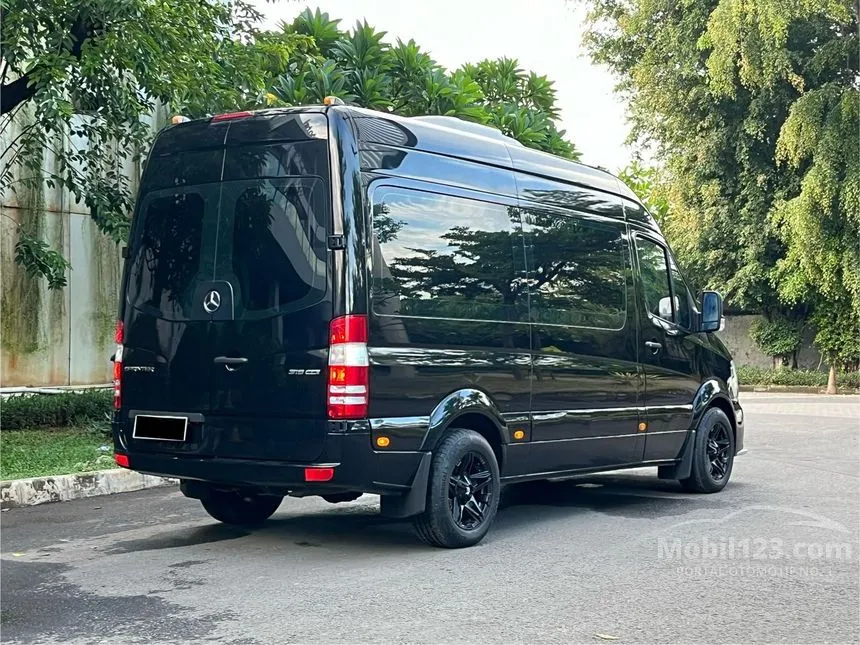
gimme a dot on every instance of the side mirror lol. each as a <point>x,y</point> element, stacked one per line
<point>712,311</point>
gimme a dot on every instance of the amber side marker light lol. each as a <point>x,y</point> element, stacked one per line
<point>643,427</point>
<point>519,435</point>
<point>383,442</point>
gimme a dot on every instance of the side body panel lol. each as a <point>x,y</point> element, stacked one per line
<point>449,334</point>
<point>587,386</point>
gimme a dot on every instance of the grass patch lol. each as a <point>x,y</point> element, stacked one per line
<point>53,451</point>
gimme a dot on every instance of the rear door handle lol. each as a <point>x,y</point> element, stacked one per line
<point>654,347</point>
<point>230,360</point>
<point>231,363</point>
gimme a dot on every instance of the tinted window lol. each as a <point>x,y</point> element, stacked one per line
<point>446,257</point>
<point>577,270</point>
<point>266,236</point>
<point>167,260</point>
<point>654,274</point>
<point>274,233</point>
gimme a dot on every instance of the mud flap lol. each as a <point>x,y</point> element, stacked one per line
<point>682,469</point>
<point>413,502</point>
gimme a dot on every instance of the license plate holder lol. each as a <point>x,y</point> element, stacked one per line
<point>160,428</point>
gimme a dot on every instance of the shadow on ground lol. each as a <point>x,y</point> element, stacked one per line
<point>360,527</point>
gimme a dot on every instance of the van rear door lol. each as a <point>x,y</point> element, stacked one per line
<point>227,295</point>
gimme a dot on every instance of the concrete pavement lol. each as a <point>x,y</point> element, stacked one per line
<point>773,558</point>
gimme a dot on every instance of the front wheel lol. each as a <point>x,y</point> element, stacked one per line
<point>240,509</point>
<point>713,454</point>
<point>463,492</point>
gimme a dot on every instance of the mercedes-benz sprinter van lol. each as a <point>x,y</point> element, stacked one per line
<point>335,301</point>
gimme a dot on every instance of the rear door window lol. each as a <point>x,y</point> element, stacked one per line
<point>263,230</point>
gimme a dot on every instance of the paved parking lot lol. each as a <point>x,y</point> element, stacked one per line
<point>773,558</point>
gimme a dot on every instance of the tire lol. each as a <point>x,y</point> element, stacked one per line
<point>462,492</point>
<point>240,509</point>
<point>713,454</point>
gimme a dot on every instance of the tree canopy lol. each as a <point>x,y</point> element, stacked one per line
<point>751,110</point>
<point>95,72</point>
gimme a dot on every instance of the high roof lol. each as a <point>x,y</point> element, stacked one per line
<point>463,139</point>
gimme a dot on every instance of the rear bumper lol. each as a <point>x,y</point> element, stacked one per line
<point>357,467</point>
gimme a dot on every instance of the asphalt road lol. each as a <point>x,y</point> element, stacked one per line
<point>773,558</point>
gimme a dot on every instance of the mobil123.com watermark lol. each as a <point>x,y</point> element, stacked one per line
<point>819,549</point>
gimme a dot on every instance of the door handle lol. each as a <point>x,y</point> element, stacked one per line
<point>654,347</point>
<point>230,360</point>
<point>232,363</point>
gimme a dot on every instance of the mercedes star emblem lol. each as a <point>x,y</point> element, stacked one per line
<point>212,302</point>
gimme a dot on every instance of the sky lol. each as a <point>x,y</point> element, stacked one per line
<point>544,35</point>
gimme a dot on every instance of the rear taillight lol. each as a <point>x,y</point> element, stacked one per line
<point>348,373</point>
<point>117,366</point>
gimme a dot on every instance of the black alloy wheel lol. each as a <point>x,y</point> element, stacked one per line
<point>470,491</point>
<point>718,447</point>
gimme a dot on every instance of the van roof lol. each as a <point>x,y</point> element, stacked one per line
<point>447,134</point>
<point>455,137</point>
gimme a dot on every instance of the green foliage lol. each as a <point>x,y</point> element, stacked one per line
<point>750,375</point>
<point>752,110</point>
<point>645,182</point>
<point>838,334</point>
<point>38,453</point>
<point>361,68</point>
<point>81,80</point>
<point>779,337</point>
<point>38,259</point>
<point>55,410</point>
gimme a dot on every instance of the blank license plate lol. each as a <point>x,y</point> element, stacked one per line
<point>160,428</point>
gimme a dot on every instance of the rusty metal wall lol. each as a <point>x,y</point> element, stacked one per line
<point>60,337</point>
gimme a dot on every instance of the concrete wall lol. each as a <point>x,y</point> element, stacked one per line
<point>737,339</point>
<point>59,337</point>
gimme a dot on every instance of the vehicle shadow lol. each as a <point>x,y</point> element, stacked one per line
<point>358,527</point>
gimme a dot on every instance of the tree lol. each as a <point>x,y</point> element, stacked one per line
<point>819,140</point>
<point>361,68</point>
<point>779,338</point>
<point>752,108</point>
<point>90,74</point>
<point>714,156</point>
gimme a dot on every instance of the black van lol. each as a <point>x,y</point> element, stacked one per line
<point>335,301</point>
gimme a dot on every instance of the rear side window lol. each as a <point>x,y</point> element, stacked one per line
<point>262,229</point>
<point>577,269</point>
<point>441,256</point>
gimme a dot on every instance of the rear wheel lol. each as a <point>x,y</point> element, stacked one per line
<point>463,491</point>
<point>241,509</point>
<point>713,454</point>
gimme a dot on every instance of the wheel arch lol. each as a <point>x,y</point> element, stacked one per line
<point>471,409</point>
<point>713,393</point>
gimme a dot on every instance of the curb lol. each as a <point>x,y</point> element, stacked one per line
<point>63,488</point>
